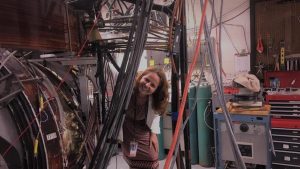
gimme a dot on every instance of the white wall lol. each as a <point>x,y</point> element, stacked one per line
<point>232,36</point>
<point>233,39</point>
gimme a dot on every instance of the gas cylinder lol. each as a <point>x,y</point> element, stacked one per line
<point>204,123</point>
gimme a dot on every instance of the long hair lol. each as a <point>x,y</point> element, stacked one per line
<point>160,97</point>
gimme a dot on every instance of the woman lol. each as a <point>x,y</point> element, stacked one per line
<point>147,104</point>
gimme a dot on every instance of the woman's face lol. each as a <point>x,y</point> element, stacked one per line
<point>148,84</point>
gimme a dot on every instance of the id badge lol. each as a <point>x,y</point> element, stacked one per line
<point>133,148</point>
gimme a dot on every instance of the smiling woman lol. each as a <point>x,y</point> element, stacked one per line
<point>148,84</point>
<point>147,104</point>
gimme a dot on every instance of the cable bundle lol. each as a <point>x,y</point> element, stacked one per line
<point>124,86</point>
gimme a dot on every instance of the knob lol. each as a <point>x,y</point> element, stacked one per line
<point>244,127</point>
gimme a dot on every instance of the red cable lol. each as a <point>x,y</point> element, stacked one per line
<point>188,78</point>
<point>58,87</point>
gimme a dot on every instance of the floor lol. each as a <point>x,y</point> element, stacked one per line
<point>117,162</point>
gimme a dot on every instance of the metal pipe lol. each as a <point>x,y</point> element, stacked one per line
<point>237,153</point>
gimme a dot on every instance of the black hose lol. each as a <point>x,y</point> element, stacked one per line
<point>124,85</point>
<point>115,100</point>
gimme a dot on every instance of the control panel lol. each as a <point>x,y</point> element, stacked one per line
<point>252,137</point>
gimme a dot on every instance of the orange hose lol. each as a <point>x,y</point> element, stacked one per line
<point>187,84</point>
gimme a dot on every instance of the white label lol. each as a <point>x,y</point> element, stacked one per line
<point>133,148</point>
<point>285,146</point>
<point>51,136</point>
<point>287,158</point>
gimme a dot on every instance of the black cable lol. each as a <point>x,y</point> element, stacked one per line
<point>120,7</point>
<point>220,49</point>
<point>22,112</point>
<point>125,60</point>
<point>100,54</point>
<point>117,102</point>
<point>110,81</point>
<point>113,62</point>
<point>125,5</point>
<point>166,9</point>
<point>230,39</point>
<point>244,32</point>
<point>41,160</point>
<point>26,140</point>
<point>235,8</point>
<point>141,32</point>
<point>21,121</point>
<point>105,97</point>
<point>114,146</point>
<point>233,17</point>
<point>64,95</point>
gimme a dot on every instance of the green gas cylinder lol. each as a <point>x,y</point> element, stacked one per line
<point>204,123</point>
<point>160,137</point>
<point>193,125</point>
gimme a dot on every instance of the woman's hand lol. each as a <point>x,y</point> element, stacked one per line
<point>154,141</point>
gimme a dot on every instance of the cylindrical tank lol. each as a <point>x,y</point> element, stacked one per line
<point>193,126</point>
<point>160,137</point>
<point>204,123</point>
